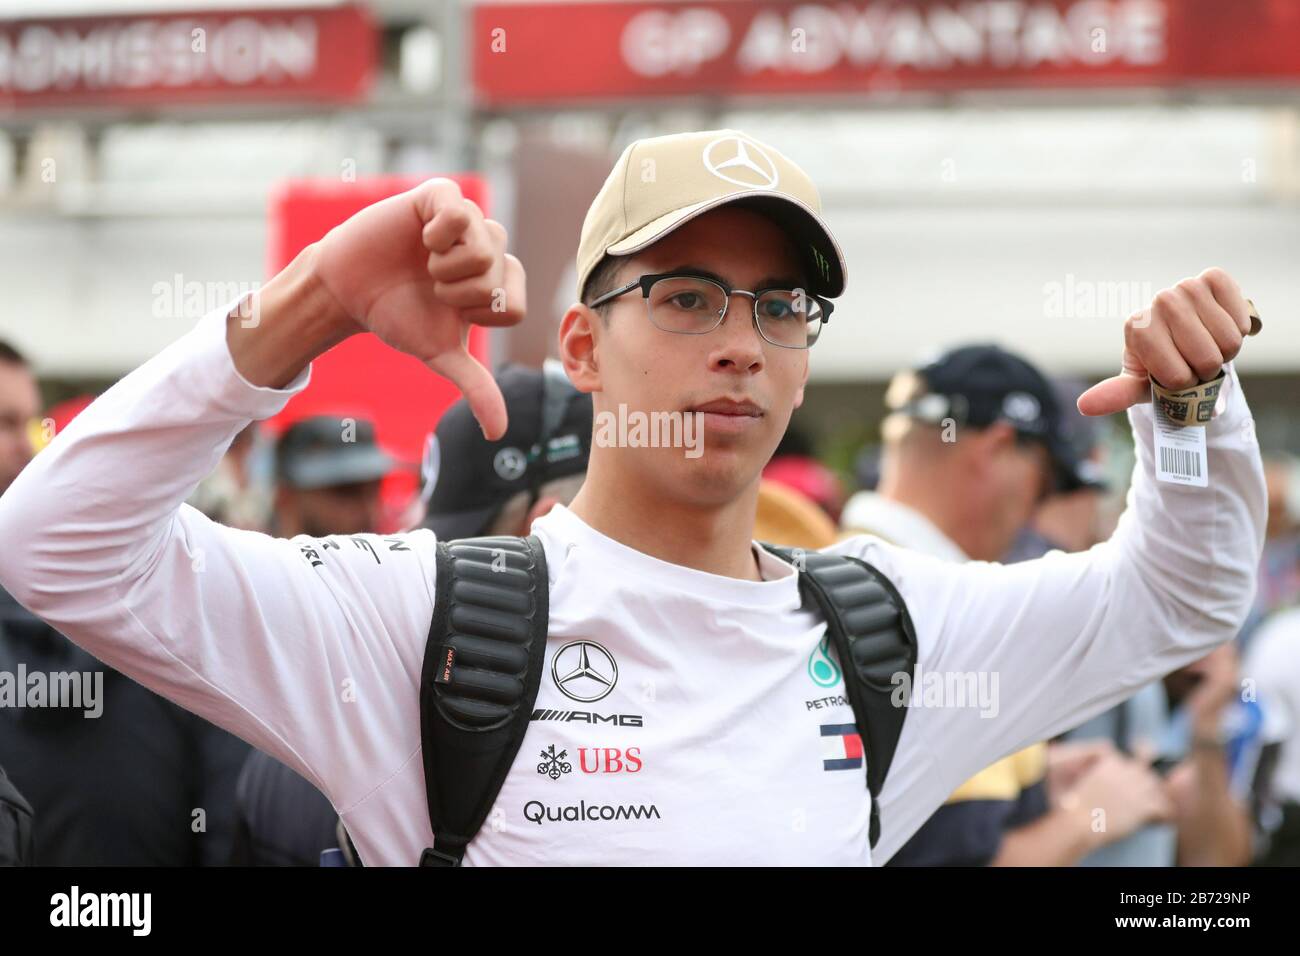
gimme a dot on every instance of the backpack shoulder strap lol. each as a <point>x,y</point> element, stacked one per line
<point>482,666</point>
<point>868,624</point>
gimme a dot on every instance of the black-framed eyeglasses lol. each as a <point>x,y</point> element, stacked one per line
<point>690,304</point>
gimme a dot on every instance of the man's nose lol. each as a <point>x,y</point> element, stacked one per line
<point>739,343</point>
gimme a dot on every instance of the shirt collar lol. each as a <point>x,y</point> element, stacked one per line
<point>899,524</point>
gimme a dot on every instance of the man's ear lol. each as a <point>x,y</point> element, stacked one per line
<point>998,439</point>
<point>578,347</point>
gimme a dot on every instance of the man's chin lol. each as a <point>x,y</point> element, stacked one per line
<point>720,475</point>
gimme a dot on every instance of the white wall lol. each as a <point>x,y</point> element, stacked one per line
<point>926,277</point>
<point>80,295</point>
<point>82,257</point>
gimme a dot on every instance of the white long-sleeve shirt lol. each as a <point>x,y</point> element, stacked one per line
<point>725,738</point>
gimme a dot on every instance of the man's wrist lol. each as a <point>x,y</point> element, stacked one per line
<point>288,323</point>
<point>1208,743</point>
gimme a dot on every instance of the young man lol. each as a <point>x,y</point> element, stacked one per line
<point>681,668</point>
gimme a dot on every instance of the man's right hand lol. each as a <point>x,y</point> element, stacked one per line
<point>1126,789</point>
<point>417,270</point>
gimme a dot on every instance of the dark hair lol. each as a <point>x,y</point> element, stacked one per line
<point>11,355</point>
<point>602,280</point>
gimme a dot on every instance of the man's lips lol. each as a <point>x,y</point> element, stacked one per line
<point>729,406</point>
<point>728,415</point>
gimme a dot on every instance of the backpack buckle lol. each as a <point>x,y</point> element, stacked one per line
<point>432,857</point>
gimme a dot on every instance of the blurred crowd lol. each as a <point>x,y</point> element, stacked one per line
<point>980,457</point>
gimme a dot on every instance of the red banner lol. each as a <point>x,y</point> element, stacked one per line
<point>544,53</point>
<point>322,54</point>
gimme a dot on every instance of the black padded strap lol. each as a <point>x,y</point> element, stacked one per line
<point>482,666</point>
<point>868,624</point>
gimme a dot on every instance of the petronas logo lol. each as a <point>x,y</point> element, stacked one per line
<point>823,671</point>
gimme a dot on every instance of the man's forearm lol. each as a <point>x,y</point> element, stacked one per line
<point>292,320</point>
<point>93,511</point>
<point>1216,832</point>
<point>1061,837</point>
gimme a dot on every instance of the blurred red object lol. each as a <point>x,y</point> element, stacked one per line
<point>57,417</point>
<point>810,478</point>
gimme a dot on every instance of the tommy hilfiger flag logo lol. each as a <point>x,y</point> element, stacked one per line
<point>841,747</point>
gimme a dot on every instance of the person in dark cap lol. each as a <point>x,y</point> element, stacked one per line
<point>328,471</point>
<point>498,487</point>
<point>974,442</point>
<point>501,487</point>
<point>1071,518</point>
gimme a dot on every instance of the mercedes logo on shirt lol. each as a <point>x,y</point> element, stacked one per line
<point>741,162</point>
<point>584,671</point>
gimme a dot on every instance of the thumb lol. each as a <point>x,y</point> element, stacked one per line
<point>1116,393</point>
<point>477,385</point>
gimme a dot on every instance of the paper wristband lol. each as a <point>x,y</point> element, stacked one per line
<point>1195,405</point>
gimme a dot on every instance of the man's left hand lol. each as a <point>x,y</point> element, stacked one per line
<point>1184,338</point>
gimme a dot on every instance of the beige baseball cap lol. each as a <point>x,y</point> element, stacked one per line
<point>664,181</point>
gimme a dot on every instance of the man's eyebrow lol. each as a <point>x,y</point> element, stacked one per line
<point>695,270</point>
<point>780,282</point>
<point>768,282</point>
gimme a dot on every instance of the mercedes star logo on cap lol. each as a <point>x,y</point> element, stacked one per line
<point>738,156</point>
<point>510,463</point>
